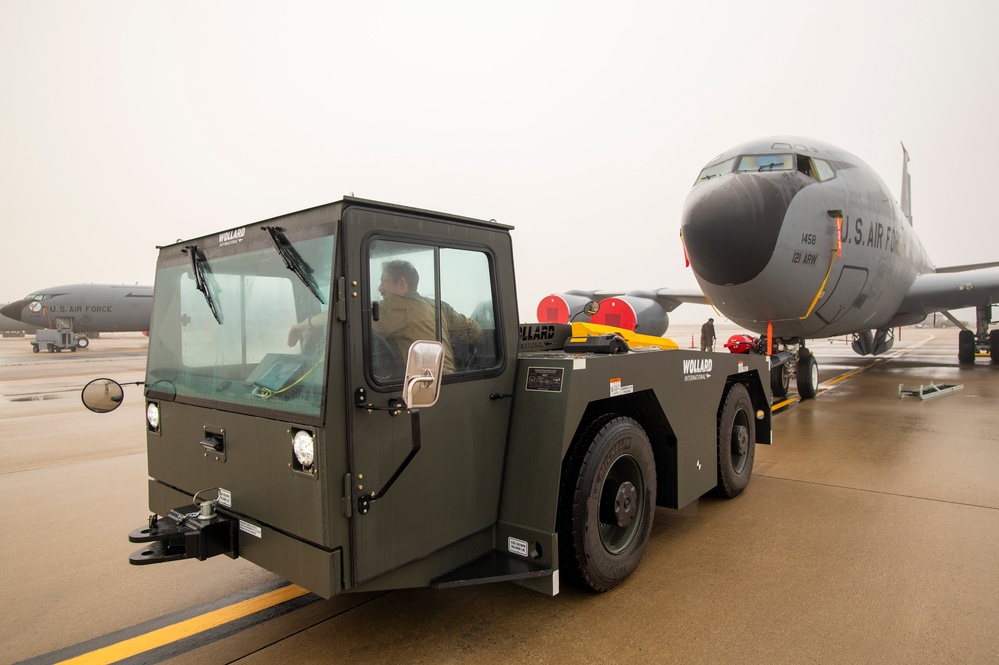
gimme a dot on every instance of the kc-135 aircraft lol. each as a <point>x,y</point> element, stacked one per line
<point>796,239</point>
<point>86,309</point>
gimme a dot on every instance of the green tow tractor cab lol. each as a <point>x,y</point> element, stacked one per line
<point>288,421</point>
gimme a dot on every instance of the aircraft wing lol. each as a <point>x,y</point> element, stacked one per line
<point>951,288</point>
<point>973,266</point>
<point>680,296</point>
<point>668,299</point>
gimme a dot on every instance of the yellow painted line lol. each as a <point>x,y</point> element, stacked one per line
<point>179,631</point>
<point>781,405</point>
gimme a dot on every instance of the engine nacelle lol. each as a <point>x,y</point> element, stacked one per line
<point>561,307</point>
<point>636,310</point>
<point>863,343</point>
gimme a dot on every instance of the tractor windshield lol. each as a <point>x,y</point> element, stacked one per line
<point>241,327</point>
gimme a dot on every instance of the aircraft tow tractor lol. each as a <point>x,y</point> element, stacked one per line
<point>287,422</point>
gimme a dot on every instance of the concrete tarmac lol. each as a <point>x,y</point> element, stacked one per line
<point>869,533</point>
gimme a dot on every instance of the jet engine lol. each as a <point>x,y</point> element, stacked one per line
<point>639,311</point>
<point>636,310</point>
<point>864,343</point>
<point>563,307</point>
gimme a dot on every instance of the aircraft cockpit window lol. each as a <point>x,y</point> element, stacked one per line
<point>805,166</point>
<point>751,163</point>
<point>720,168</point>
<point>817,169</point>
<point>823,171</point>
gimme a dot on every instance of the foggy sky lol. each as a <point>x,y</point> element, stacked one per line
<point>127,125</point>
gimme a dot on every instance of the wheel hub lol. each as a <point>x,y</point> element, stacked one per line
<point>741,436</point>
<point>625,504</point>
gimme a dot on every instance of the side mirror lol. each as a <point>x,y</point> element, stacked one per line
<point>589,309</point>
<point>102,395</point>
<point>424,367</point>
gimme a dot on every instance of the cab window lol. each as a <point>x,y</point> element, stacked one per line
<point>246,350</point>
<point>429,292</point>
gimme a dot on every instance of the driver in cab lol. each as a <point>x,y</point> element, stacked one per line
<point>405,316</point>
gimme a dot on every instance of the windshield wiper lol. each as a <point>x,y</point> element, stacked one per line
<point>198,264</point>
<point>293,259</point>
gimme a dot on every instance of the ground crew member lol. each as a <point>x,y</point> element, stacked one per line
<point>708,336</point>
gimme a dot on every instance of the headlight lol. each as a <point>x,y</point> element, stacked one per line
<point>153,415</point>
<point>305,448</point>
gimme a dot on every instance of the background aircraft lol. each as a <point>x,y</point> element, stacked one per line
<point>85,308</point>
<point>802,239</point>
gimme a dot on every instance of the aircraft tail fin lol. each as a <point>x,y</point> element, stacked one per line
<point>906,186</point>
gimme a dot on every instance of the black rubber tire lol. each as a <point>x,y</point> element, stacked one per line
<point>83,342</point>
<point>780,382</point>
<point>607,502</point>
<point>966,347</point>
<point>34,348</point>
<point>994,345</point>
<point>807,376</point>
<point>736,442</point>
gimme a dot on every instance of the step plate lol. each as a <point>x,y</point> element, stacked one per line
<point>493,567</point>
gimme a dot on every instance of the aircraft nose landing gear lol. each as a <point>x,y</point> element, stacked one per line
<point>800,363</point>
<point>807,374</point>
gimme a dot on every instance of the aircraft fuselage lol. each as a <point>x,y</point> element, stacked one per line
<point>86,308</point>
<point>802,235</point>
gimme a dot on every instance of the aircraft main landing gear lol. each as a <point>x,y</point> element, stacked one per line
<point>981,339</point>
<point>966,347</point>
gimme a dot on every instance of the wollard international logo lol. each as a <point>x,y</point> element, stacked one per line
<point>231,237</point>
<point>697,369</point>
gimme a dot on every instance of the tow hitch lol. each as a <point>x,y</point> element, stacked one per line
<point>188,532</point>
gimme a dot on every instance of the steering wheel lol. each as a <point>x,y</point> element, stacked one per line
<point>386,363</point>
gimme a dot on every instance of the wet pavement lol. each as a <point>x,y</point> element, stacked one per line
<point>869,533</point>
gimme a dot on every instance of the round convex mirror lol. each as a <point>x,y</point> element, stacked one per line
<point>102,395</point>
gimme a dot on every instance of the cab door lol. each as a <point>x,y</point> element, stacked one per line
<point>450,489</point>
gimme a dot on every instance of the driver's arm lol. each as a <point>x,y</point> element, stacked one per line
<point>302,331</point>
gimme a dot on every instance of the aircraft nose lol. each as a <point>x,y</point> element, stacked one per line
<point>13,310</point>
<point>730,225</point>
